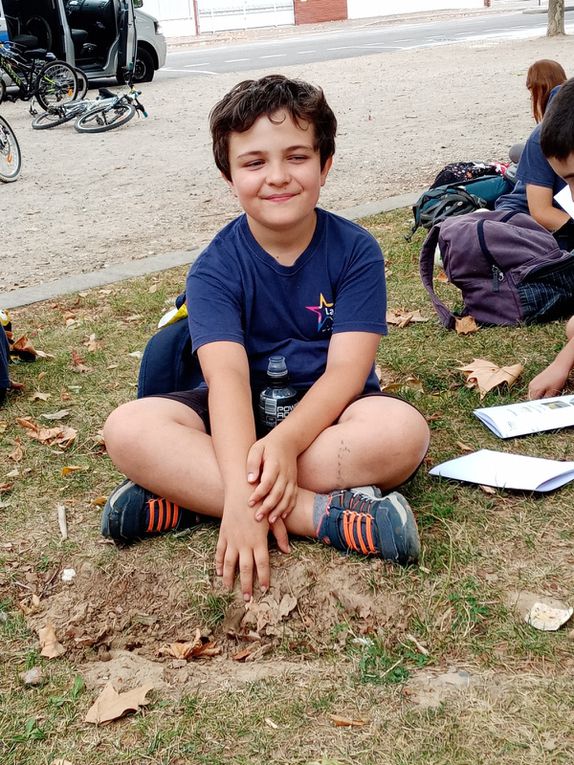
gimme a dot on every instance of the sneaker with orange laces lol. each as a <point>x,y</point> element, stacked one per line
<point>132,512</point>
<point>386,526</point>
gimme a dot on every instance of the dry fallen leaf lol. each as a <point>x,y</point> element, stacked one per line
<point>110,704</point>
<point>99,501</point>
<point>69,469</point>
<point>465,447</point>
<point>347,722</point>
<point>410,383</point>
<point>61,436</point>
<point>486,489</point>
<point>24,348</point>
<point>18,453</point>
<point>442,277</point>
<point>51,648</point>
<point>402,318</point>
<point>39,396</point>
<point>466,326</point>
<point>78,363</point>
<point>59,415</point>
<point>485,375</point>
<point>6,487</point>
<point>92,343</point>
<point>198,648</point>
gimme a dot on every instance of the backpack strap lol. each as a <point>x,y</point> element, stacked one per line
<point>426,266</point>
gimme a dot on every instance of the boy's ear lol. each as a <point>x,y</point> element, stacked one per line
<point>325,171</point>
<point>229,183</point>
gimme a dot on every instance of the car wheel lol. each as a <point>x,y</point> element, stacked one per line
<point>144,66</point>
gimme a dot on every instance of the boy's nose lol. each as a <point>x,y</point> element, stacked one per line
<point>277,174</point>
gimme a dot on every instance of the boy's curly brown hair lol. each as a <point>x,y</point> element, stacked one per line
<point>237,111</point>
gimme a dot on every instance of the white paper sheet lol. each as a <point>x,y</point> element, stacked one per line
<point>564,199</point>
<point>528,416</point>
<point>507,471</point>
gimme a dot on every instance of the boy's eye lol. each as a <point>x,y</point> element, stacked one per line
<point>298,157</point>
<point>254,163</point>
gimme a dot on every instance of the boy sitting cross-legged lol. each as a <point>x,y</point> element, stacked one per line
<point>284,278</point>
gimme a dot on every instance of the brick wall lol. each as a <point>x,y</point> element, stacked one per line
<point>314,11</point>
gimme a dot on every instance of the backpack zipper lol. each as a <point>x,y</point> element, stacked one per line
<point>497,277</point>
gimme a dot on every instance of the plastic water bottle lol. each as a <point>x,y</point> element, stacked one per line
<point>278,398</point>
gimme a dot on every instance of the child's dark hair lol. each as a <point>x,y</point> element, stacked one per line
<point>246,102</point>
<point>557,134</point>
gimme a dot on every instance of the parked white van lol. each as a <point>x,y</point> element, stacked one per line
<point>99,36</point>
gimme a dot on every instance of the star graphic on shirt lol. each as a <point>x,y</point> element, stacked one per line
<point>325,313</point>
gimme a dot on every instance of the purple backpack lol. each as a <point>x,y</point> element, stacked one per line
<point>508,267</point>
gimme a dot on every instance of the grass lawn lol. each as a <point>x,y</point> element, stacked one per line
<point>348,660</point>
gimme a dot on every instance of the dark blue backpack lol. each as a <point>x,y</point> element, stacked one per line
<point>168,363</point>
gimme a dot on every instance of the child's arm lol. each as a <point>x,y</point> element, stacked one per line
<point>541,208</point>
<point>242,541</point>
<point>552,379</point>
<point>274,458</point>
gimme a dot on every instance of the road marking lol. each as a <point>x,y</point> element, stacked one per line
<point>186,71</point>
<point>234,60</point>
<point>274,55</point>
<point>201,63</point>
<point>299,52</point>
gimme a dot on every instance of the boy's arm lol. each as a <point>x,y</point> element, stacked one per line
<point>552,379</point>
<point>541,208</point>
<point>242,540</point>
<point>349,361</point>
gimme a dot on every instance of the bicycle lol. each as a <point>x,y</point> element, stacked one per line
<point>10,157</point>
<point>69,110</point>
<point>108,111</point>
<point>46,79</point>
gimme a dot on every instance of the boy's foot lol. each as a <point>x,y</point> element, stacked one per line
<point>385,527</point>
<point>132,512</point>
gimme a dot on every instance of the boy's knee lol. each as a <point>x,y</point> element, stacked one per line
<point>118,429</point>
<point>570,328</point>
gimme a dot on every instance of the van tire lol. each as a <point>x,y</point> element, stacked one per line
<point>144,68</point>
<point>2,89</point>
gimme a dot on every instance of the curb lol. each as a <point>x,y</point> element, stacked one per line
<point>134,268</point>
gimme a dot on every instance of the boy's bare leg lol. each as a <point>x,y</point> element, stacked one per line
<point>161,445</point>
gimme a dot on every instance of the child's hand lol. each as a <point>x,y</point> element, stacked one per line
<point>243,541</point>
<point>273,461</point>
<point>549,382</point>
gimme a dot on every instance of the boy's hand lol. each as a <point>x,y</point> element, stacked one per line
<point>273,461</point>
<point>549,382</point>
<point>242,540</point>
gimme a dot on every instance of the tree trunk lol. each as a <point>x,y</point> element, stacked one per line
<point>555,18</point>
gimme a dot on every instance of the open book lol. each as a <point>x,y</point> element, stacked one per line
<point>528,416</point>
<point>507,471</point>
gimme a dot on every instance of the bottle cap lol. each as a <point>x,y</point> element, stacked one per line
<point>277,366</point>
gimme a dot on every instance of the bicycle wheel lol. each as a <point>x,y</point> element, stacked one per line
<point>105,118</point>
<point>57,83</point>
<point>82,83</point>
<point>10,157</point>
<point>51,119</point>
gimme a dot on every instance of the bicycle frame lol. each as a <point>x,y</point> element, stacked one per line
<point>20,72</point>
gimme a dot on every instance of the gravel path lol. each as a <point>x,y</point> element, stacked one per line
<point>86,202</point>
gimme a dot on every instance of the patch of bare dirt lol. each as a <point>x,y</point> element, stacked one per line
<point>147,608</point>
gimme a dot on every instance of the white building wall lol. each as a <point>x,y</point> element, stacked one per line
<point>177,16</point>
<point>360,9</point>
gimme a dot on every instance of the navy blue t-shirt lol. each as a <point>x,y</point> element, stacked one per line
<point>237,292</point>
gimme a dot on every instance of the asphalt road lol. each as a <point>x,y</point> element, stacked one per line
<point>363,41</point>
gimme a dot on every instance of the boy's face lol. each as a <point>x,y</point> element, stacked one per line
<point>276,173</point>
<point>565,169</point>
